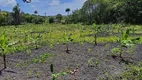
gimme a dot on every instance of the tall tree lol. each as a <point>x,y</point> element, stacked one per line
<point>35,12</point>
<point>67,10</point>
<point>16,14</point>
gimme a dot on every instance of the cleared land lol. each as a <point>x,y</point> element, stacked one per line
<point>84,60</point>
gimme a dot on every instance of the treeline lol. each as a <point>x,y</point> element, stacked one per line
<point>17,17</point>
<point>93,11</point>
<point>108,11</point>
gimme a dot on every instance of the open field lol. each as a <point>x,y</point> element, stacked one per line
<point>36,47</point>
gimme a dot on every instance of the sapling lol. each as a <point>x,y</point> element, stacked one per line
<point>25,36</point>
<point>4,48</point>
<point>37,40</point>
<point>97,30</point>
<point>68,39</point>
<point>125,42</point>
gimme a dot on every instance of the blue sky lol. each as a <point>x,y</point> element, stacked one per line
<point>50,7</point>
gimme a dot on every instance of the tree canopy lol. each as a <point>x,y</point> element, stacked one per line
<point>109,11</point>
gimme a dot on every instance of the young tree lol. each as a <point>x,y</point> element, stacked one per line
<point>4,48</point>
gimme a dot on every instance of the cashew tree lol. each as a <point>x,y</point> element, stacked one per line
<point>125,42</point>
<point>3,48</point>
<point>97,29</point>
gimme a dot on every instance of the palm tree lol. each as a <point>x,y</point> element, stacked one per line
<point>68,10</point>
<point>35,12</point>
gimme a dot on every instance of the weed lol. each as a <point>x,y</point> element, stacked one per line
<point>42,58</point>
<point>90,62</point>
<point>55,76</point>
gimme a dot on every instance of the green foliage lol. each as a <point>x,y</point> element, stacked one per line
<point>3,44</point>
<point>51,20</point>
<point>134,72</point>
<point>16,14</point>
<point>109,11</point>
<point>37,40</point>
<point>3,18</point>
<point>41,58</point>
<point>59,17</point>
<point>115,51</point>
<point>125,41</point>
<point>97,29</point>
<point>55,76</point>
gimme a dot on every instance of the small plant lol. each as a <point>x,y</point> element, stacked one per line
<point>134,72</point>
<point>29,73</point>
<point>28,51</point>
<point>125,42</point>
<point>96,62</point>
<point>37,41</point>
<point>90,62</point>
<point>42,58</point>
<point>37,74</point>
<point>68,39</point>
<point>25,36</point>
<point>4,48</point>
<point>115,51</point>
<point>55,76</point>
<point>89,50</point>
<point>97,30</point>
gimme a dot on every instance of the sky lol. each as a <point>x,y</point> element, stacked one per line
<point>50,7</point>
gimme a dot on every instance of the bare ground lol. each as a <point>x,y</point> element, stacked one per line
<point>84,62</point>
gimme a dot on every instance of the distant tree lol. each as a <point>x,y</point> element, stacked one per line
<point>27,18</point>
<point>3,18</point>
<point>59,17</point>
<point>16,14</point>
<point>35,12</point>
<point>76,16</point>
<point>67,10</point>
<point>51,20</point>
<point>10,19</point>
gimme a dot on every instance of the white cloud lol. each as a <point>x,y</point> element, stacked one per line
<point>54,2</point>
<point>35,1</point>
<point>5,3</point>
